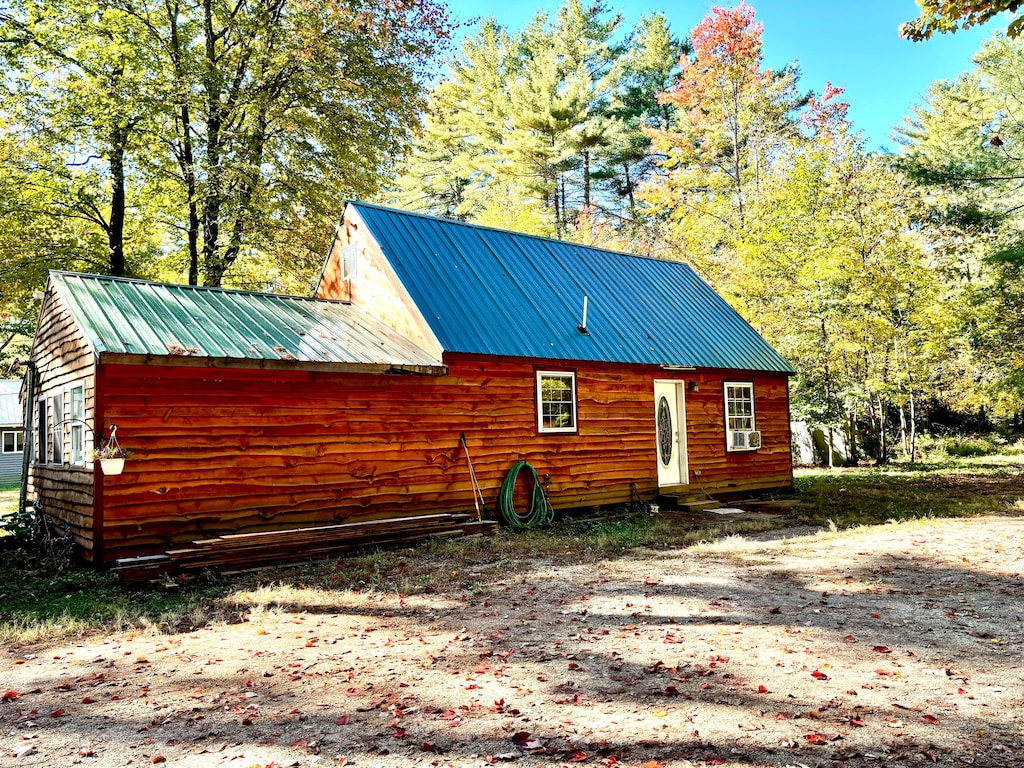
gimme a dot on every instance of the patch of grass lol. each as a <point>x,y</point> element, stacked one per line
<point>8,501</point>
<point>954,487</point>
<point>37,605</point>
<point>977,447</point>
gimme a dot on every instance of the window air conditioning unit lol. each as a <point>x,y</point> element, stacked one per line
<point>753,439</point>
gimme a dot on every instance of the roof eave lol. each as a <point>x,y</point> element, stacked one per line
<point>202,361</point>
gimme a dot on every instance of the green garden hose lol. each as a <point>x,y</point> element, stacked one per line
<point>540,512</point>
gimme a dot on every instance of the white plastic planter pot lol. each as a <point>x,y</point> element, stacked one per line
<point>112,466</point>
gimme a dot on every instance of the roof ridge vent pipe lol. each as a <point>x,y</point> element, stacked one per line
<point>582,327</point>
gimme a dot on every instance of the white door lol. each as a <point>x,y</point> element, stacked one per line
<point>670,428</point>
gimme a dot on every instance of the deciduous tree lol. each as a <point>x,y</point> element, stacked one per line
<point>939,16</point>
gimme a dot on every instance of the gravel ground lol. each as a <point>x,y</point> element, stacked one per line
<point>893,645</point>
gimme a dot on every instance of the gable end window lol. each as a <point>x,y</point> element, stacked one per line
<point>740,431</point>
<point>556,401</point>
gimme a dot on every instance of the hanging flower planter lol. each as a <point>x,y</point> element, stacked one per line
<point>112,466</point>
<point>111,455</point>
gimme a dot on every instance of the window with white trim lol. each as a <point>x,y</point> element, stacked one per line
<point>12,442</point>
<point>740,434</point>
<point>349,262</point>
<point>556,401</point>
<point>57,427</point>
<point>76,423</point>
<point>42,431</point>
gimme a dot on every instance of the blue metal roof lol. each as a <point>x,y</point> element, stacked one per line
<point>489,291</point>
<point>136,317</point>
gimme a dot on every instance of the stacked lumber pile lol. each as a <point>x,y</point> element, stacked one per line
<point>239,551</point>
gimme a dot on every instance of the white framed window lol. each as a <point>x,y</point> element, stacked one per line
<point>42,432</point>
<point>12,441</point>
<point>350,262</point>
<point>740,431</point>
<point>76,422</point>
<point>556,401</point>
<point>57,427</point>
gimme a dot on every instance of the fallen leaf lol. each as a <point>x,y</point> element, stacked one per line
<point>819,675</point>
<point>762,689</point>
<point>822,738</point>
<point>881,649</point>
<point>930,719</point>
<point>524,740</point>
<point>343,720</point>
<point>9,696</point>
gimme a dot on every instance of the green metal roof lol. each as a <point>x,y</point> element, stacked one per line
<point>489,291</point>
<point>136,317</point>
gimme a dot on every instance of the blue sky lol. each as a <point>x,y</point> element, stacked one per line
<point>854,45</point>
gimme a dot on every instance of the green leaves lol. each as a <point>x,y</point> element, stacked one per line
<point>191,135</point>
<point>536,130</point>
<point>941,16</point>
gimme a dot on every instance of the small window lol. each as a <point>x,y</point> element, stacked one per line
<point>556,401</point>
<point>739,417</point>
<point>57,426</point>
<point>12,442</point>
<point>349,262</point>
<point>42,432</point>
<point>76,421</point>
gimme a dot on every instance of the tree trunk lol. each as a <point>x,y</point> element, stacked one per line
<point>913,429</point>
<point>904,433</point>
<point>115,227</point>
<point>586,179</point>
<point>213,268</point>
<point>883,420</point>
<point>831,448</point>
<point>558,211</point>
<point>852,443</point>
<point>184,152</point>
<point>629,192</point>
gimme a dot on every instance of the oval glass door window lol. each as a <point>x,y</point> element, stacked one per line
<point>664,431</point>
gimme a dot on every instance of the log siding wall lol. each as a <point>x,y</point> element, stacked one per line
<point>63,359</point>
<point>225,450</point>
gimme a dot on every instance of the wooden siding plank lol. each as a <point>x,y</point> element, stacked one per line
<point>63,358</point>
<point>221,451</point>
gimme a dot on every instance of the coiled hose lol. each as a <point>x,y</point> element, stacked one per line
<point>540,512</point>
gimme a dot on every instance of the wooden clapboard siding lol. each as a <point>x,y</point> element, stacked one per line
<point>716,470</point>
<point>63,359</point>
<point>222,451</point>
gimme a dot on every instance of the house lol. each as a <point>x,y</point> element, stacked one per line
<point>12,428</point>
<point>429,344</point>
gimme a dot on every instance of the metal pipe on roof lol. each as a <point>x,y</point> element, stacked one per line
<point>582,327</point>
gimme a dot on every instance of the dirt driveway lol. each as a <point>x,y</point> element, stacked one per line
<point>895,645</point>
